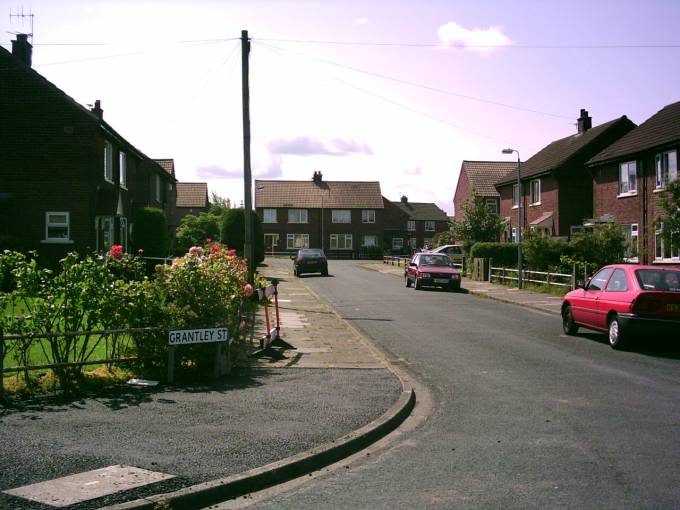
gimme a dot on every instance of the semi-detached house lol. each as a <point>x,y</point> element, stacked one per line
<point>68,180</point>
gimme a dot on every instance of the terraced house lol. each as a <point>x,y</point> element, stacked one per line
<point>628,178</point>
<point>68,180</point>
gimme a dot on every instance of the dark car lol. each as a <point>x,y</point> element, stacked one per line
<point>309,260</point>
<point>432,270</point>
<point>626,300</point>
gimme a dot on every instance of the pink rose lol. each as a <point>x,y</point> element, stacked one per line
<point>248,290</point>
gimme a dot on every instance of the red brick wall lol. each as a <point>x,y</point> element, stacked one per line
<point>462,194</point>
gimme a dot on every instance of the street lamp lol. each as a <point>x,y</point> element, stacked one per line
<point>519,219</point>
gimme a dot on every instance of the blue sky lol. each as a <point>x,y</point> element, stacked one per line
<point>395,91</point>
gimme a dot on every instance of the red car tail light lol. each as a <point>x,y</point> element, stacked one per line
<point>646,304</point>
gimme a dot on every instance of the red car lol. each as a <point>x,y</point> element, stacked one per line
<point>433,270</point>
<point>626,300</point>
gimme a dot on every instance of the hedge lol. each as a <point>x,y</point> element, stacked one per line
<point>503,254</point>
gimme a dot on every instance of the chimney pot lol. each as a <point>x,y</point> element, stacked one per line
<point>584,122</point>
<point>404,199</point>
<point>22,49</point>
<point>97,109</point>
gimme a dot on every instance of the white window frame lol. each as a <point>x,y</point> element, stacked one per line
<point>631,232</point>
<point>108,161</point>
<point>158,188</point>
<point>627,186</point>
<point>662,252</point>
<point>666,164</point>
<point>341,216</point>
<point>397,243</point>
<point>123,230</point>
<point>122,169</point>
<point>269,215</point>
<point>341,241</point>
<point>514,234</point>
<point>50,223</point>
<point>374,239</point>
<point>430,226</point>
<point>302,216</point>
<point>411,225</point>
<point>368,216</point>
<point>412,243</point>
<point>297,241</point>
<point>107,240</point>
<point>536,192</point>
<point>515,196</point>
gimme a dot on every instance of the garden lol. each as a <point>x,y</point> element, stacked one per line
<point>100,319</point>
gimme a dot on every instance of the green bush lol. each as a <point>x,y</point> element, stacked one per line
<point>503,254</point>
<point>604,244</point>
<point>197,231</point>
<point>542,252</point>
<point>149,233</point>
<point>232,230</point>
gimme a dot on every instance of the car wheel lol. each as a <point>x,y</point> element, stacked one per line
<point>455,287</point>
<point>568,324</point>
<point>417,285</point>
<point>617,336</point>
<point>408,282</point>
<point>324,272</point>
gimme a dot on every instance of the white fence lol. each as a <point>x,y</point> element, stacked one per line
<point>504,274</point>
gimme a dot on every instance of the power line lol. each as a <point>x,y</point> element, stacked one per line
<point>434,89</point>
<point>483,46</point>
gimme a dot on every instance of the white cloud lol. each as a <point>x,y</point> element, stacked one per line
<point>218,172</point>
<point>476,39</point>
<point>361,21</point>
<point>311,146</point>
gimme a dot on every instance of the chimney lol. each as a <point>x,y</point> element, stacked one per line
<point>22,49</point>
<point>404,199</point>
<point>97,109</point>
<point>317,177</point>
<point>584,122</point>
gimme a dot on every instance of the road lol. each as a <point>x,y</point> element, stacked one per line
<point>524,417</point>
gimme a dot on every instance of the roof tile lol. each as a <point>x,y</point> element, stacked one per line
<point>309,194</point>
<point>192,194</point>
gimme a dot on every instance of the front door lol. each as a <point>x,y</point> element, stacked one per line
<point>271,241</point>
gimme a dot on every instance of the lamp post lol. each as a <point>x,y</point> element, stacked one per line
<point>519,218</point>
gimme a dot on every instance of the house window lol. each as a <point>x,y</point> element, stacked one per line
<point>269,216</point>
<point>122,169</point>
<point>631,234</point>
<point>297,215</point>
<point>514,234</point>
<point>628,177</point>
<point>104,228</point>
<point>123,229</point>
<point>108,161</point>
<point>536,192</point>
<point>368,216</point>
<point>370,240</point>
<point>664,244</point>
<point>397,243</point>
<point>57,227</point>
<point>341,216</point>
<point>429,226</point>
<point>666,168</point>
<point>515,195</point>
<point>341,241</point>
<point>411,225</point>
<point>158,187</point>
<point>491,205</point>
<point>412,243</point>
<point>297,241</point>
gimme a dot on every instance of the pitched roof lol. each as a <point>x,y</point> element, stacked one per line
<point>484,174</point>
<point>312,195</point>
<point>424,211</point>
<point>192,194</point>
<point>660,129</point>
<point>560,151</point>
<point>167,164</point>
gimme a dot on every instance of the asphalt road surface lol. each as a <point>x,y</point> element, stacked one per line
<point>524,417</point>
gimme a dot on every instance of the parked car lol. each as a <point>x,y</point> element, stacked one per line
<point>626,300</point>
<point>310,260</point>
<point>433,270</point>
<point>454,251</point>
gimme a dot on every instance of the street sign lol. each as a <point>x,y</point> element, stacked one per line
<point>197,336</point>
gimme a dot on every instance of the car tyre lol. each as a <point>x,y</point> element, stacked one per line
<point>617,335</point>
<point>324,272</point>
<point>568,324</point>
<point>408,282</point>
<point>455,287</point>
<point>417,285</point>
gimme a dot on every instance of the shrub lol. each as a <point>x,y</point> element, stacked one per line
<point>503,254</point>
<point>150,233</point>
<point>197,230</point>
<point>542,252</point>
<point>232,230</point>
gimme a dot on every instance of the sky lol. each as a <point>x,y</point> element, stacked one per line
<point>399,91</point>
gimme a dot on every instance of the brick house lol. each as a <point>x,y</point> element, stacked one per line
<point>557,189</point>
<point>192,198</point>
<point>342,217</point>
<point>68,180</point>
<point>480,176</point>
<point>628,177</point>
<point>423,221</point>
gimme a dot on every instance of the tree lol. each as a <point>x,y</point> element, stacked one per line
<point>195,230</point>
<point>445,237</point>
<point>232,230</point>
<point>218,205</point>
<point>150,233</point>
<point>670,202</point>
<point>477,223</point>
<point>605,244</point>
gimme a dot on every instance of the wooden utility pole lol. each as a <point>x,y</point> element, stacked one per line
<point>247,180</point>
